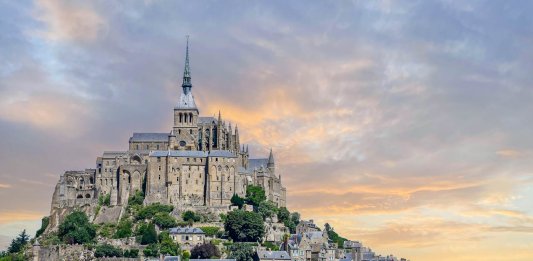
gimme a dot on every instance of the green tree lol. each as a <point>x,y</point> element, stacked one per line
<point>255,195</point>
<point>136,199</point>
<point>237,201</point>
<point>149,235</point>
<point>244,226</point>
<point>283,214</point>
<point>150,211</point>
<point>124,229</point>
<point>332,235</point>
<point>164,220</point>
<point>107,250</point>
<point>205,251</point>
<point>151,250</point>
<point>76,229</point>
<point>132,253</point>
<point>44,225</point>
<point>241,252</point>
<point>267,209</point>
<point>190,216</point>
<point>19,242</point>
<point>168,246</point>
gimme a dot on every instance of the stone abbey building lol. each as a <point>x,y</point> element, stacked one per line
<point>199,164</point>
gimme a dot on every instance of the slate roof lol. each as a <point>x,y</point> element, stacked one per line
<point>152,136</point>
<point>179,153</point>
<point>112,154</point>
<point>204,120</point>
<point>257,163</point>
<point>273,255</point>
<point>186,230</point>
<point>221,153</point>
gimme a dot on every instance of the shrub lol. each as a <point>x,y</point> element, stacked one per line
<point>210,231</point>
<point>149,235</point>
<point>164,220</point>
<point>136,199</point>
<point>190,216</point>
<point>267,209</point>
<point>150,210</point>
<point>44,225</point>
<point>151,250</point>
<point>124,229</point>
<point>205,251</point>
<point>132,253</point>
<point>270,246</point>
<point>107,250</point>
<point>76,229</point>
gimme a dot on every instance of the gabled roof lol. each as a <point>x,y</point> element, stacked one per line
<point>151,137</point>
<point>186,230</point>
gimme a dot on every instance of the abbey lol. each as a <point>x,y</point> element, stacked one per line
<point>199,164</point>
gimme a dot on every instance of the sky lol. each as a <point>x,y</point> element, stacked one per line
<point>404,124</point>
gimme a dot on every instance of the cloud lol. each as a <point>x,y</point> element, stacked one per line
<point>69,21</point>
<point>386,118</point>
<point>4,186</point>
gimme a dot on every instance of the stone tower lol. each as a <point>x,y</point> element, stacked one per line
<point>185,131</point>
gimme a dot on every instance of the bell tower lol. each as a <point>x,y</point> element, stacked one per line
<point>184,134</point>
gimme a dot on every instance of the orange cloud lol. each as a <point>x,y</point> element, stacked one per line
<point>10,217</point>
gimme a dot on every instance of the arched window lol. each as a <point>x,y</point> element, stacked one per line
<point>79,196</point>
<point>87,196</point>
<point>190,117</point>
<point>181,117</point>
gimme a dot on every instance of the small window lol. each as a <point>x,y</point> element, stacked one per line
<point>157,146</point>
<point>158,159</point>
<point>147,147</point>
<point>190,131</point>
<point>159,177</point>
<point>137,146</point>
<point>159,168</point>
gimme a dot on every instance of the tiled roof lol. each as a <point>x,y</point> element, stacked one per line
<point>155,137</point>
<point>112,154</point>
<point>186,230</point>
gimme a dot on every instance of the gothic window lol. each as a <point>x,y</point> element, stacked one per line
<point>180,117</point>
<point>190,117</point>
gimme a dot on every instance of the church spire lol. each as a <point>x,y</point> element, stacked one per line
<point>187,85</point>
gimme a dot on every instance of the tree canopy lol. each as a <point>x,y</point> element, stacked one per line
<point>241,252</point>
<point>19,242</point>
<point>255,195</point>
<point>205,251</point>
<point>244,226</point>
<point>76,229</point>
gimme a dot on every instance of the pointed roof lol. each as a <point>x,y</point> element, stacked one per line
<point>187,69</point>
<point>270,157</point>
<point>186,100</point>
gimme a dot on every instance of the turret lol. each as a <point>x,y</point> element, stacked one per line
<point>271,165</point>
